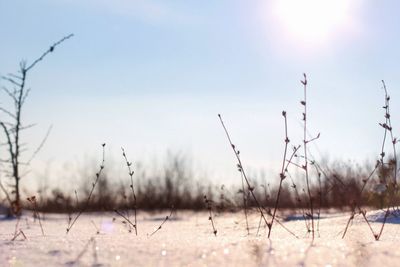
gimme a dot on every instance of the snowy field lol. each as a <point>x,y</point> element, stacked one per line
<point>187,240</point>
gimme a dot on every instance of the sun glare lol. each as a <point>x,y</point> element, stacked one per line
<point>312,20</point>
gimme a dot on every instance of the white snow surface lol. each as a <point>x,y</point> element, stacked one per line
<point>187,239</point>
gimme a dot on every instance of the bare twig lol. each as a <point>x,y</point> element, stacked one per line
<point>164,221</point>
<point>245,204</point>
<point>241,169</point>
<point>95,226</point>
<point>210,218</point>
<point>92,241</point>
<point>387,127</point>
<point>125,218</point>
<point>32,200</point>
<point>282,175</point>
<point>98,174</point>
<point>305,142</point>
<point>18,234</point>
<point>51,49</point>
<point>131,172</point>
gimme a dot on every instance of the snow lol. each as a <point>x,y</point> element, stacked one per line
<point>187,239</point>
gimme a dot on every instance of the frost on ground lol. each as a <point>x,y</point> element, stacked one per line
<point>187,239</point>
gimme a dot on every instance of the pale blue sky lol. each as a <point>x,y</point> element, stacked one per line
<point>152,76</point>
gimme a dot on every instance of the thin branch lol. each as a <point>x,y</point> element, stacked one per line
<point>18,234</point>
<point>131,172</point>
<point>125,218</point>
<point>245,204</point>
<point>32,200</point>
<point>313,139</point>
<point>98,174</point>
<point>15,76</point>
<point>210,218</point>
<point>51,49</point>
<point>241,169</point>
<point>11,81</point>
<point>10,144</point>
<point>305,167</point>
<point>9,93</point>
<point>25,96</point>
<point>163,222</point>
<point>282,173</point>
<point>8,113</point>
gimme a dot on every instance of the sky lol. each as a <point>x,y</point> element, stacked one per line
<point>152,76</point>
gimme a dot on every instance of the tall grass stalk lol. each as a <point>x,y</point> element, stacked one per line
<point>284,169</point>
<point>98,174</point>
<point>131,172</point>
<point>241,170</point>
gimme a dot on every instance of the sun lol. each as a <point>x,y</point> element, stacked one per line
<point>311,20</point>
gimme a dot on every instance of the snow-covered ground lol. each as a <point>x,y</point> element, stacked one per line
<point>187,240</point>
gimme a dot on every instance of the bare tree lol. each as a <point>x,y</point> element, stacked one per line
<point>11,125</point>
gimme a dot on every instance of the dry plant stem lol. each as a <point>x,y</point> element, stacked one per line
<point>51,49</point>
<point>16,226</point>
<point>305,167</point>
<point>125,218</point>
<point>355,205</point>
<point>70,213</point>
<point>69,221</point>
<point>163,222</point>
<point>388,127</point>
<point>278,222</point>
<point>282,175</point>
<point>250,188</point>
<point>298,199</point>
<point>266,201</point>
<point>13,131</point>
<point>19,233</point>
<point>98,174</point>
<point>319,194</point>
<point>40,220</point>
<point>127,207</point>
<point>348,223</point>
<point>131,172</point>
<point>369,177</point>
<point>284,227</point>
<point>320,201</point>
<point>241,169</point>
<point>95,226</point>
<point>91,240</point>
<point>378,236</point>
<point>245,206</point>
<point>363,213</point>
<point>365,181</point>
<point>35,212</point>
<point>210,218</point>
